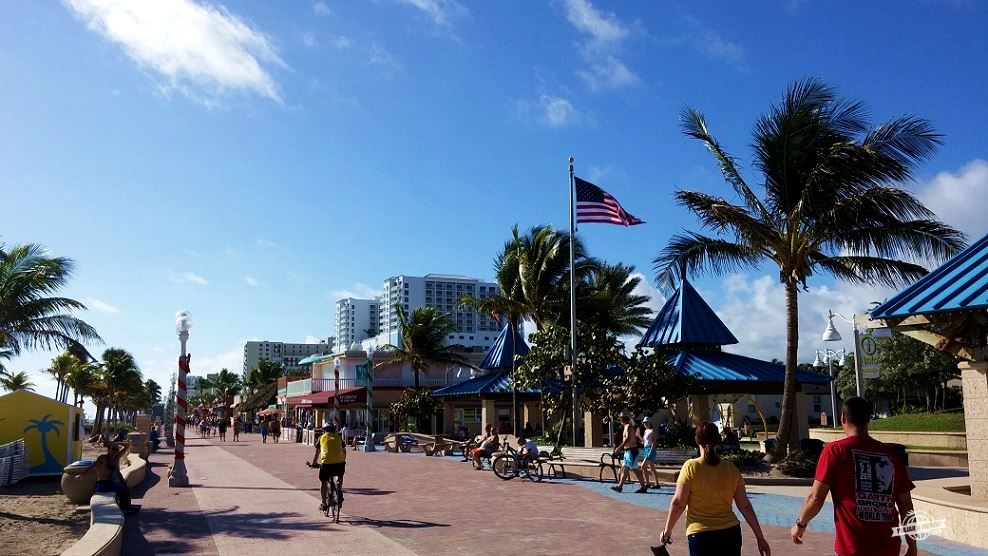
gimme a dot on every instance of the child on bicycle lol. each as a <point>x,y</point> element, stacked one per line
<point>529,450</point>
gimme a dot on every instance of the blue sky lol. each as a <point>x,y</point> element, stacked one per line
<point>252,165</point>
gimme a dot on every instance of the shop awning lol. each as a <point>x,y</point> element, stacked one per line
<point>347,397</point>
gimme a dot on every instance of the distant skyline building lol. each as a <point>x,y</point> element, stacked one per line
<point>288,354</point>
<point>441,291</point>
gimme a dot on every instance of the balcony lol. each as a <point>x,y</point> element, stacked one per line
<point>310,385</point>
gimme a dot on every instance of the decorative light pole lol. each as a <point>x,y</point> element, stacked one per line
<point>819,363</point>
<point>178,477</point>
<point>832,335</point>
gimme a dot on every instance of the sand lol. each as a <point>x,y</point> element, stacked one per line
<point>37,519</point>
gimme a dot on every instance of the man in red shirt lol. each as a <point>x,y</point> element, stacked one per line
<point>868,482</point>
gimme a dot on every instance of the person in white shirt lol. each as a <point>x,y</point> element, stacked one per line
<point>529,449</point>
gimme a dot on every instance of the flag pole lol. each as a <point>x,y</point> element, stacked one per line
<point>572,292</point>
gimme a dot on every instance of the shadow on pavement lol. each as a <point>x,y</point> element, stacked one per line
<point>365,491</point>
<point>391,523</point>
<point>253,488</point>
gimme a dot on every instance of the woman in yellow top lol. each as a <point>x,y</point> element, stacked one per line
<point>706,489</point>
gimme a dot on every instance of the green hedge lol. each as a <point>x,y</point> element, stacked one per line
<point>921,422</point>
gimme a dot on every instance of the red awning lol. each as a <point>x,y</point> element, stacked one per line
<point>355,397</point>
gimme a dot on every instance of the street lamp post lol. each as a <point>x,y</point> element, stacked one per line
<point>178,477</point>
<point>832,335</point>
<point>819,364</point>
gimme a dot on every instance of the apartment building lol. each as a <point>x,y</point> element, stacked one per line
<point>288,354</point>
<point>441,291</point>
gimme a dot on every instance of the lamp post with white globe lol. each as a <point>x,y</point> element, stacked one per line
<point>177,476</point>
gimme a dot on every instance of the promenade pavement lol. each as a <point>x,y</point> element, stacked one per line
<point>253,498</point>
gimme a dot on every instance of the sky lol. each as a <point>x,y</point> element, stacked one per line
<point>253,164</point>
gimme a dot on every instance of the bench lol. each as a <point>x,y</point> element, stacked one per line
<point>591,458</point>
<point>105,534</point>
<point>673,457</point>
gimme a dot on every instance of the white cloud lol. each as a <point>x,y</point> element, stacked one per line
<point>607,72</point>
<point>606,33</point>
<point>251,281</point>
<point>709,42</point>
<point>602,27</point>
<point>645,287</point>
<point>309,39</point>
<point>557,111</point>
<point>754,308</point>
<point>187,278</point>
<point>358,291</point>
<point>341,42</point>
<point>441,12</point>
<point>378,55</point>
<point>310,339</point>
<point>101,306</point>
<point>960,198</point>
<point>264,242</point>
<point>203,51</point>
<point>320,8</point>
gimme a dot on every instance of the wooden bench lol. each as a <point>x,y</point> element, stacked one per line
<point>590,458</point>
<point>673,457</point>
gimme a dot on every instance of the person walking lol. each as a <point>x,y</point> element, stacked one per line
<point>706,489</point>
<point>649,440</point>
<point>630,445</point>
<point>869,484</point>
<point>264,430</point>
<point>236,430</point>
<point>275,429</point>
<point>221,426</point>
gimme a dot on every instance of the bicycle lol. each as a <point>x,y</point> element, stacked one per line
<point>509,465</point>
<point>331,504</point>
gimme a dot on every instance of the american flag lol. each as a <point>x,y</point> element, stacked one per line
<point>593,204</point>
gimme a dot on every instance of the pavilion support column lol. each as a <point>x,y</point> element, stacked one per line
<point>449,425</point>
<point>593,429</point>
<point>975,384</point>
<point>700,408</point>
<point>802,417</point>
<point>488,414</point>
<point>530,414</point>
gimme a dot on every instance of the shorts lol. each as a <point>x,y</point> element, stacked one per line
<point>649,454</point>
<point>631,458</point>
<point>264,432</point>
<point>107,486</point>
<point>329,470</point>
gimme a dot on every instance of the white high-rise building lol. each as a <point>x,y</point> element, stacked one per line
<point>356,320</point>
<point>287,354</point>
<point>441,291</point>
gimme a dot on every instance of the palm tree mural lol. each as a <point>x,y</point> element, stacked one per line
<point>44,426</point>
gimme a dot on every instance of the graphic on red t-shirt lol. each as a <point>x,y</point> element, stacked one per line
<point>874,477</point>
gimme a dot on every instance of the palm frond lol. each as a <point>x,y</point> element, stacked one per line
<point>694,252</point>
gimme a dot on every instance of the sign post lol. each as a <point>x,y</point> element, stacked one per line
<point>866,364</point>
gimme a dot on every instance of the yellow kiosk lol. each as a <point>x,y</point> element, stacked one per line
<point>52,430</point>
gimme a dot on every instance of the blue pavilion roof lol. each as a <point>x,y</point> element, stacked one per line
<point>496,382</point>
<point>499,356</point>
<point>960,284</point>
<point>729,367</point>
<point>686,319</point>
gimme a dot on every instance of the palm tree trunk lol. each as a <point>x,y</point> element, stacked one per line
<point>786,437</point>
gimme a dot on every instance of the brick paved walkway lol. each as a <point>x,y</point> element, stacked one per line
<point>249,497</point>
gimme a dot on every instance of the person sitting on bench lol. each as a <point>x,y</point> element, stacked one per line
<point>109,479</point>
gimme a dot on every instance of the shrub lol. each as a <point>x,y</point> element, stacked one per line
<point>744,458</point>
<point>681,434</point>
<point>797,464</point>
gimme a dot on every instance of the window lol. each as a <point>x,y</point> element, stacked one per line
<point>504,415</point>
<point>466,416</point>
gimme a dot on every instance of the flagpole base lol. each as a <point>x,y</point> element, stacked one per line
<point>177,476</point>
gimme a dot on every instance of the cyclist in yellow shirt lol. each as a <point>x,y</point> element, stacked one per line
<point>331,457</point>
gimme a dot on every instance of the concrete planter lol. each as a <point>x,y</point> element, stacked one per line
<point>954,440</point>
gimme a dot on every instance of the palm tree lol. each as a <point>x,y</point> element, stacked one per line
<point>44,426</point>
<point>117,375</point>
<point>542,258</point>
<point>82,381</point>
<point>29,317</point>
<point>423,341</point>
<point>13,382</point>
<point>607,300</point>
<point>226,384</point>
<point>61,367</point>
<point>266,372</point>
<point>827,207</point>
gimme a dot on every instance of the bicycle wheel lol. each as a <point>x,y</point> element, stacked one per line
<point>505,467</point>
<point>336,511</point>
<point>535,471</point>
